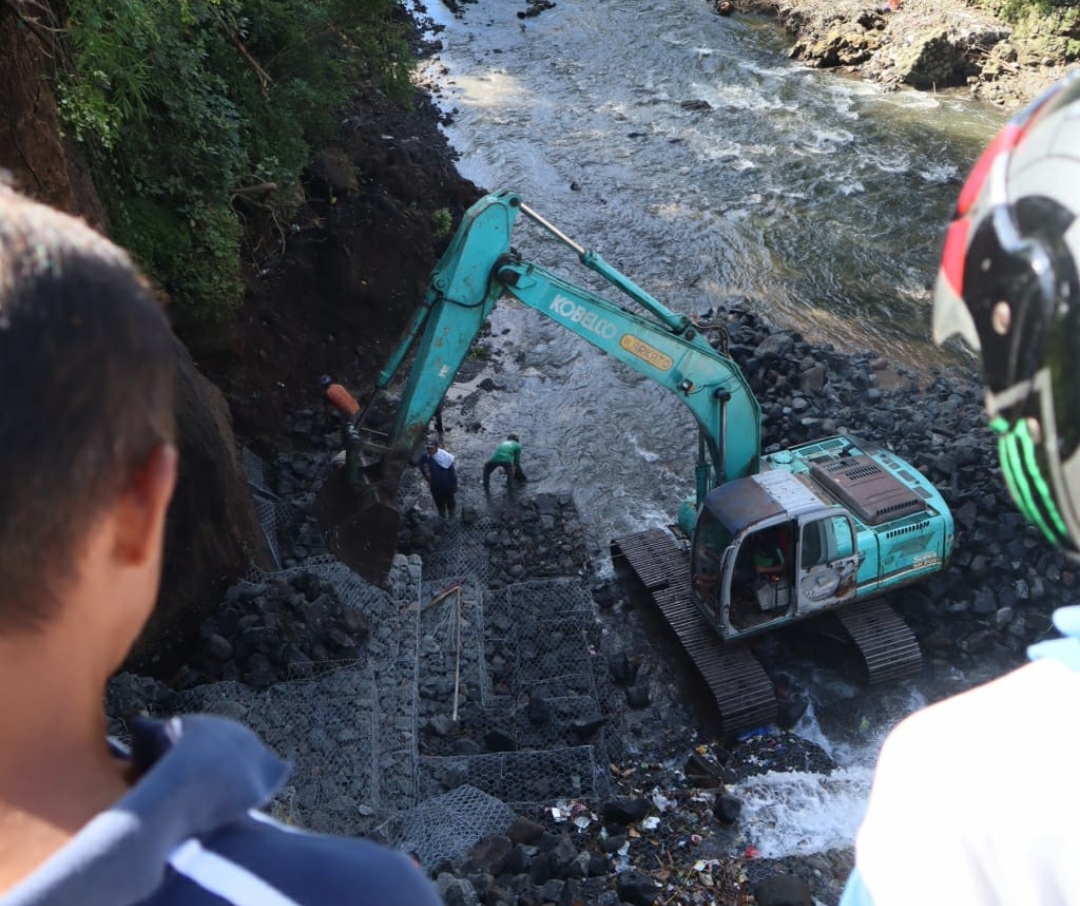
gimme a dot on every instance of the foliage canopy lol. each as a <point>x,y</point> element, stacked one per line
<point>184,106</point>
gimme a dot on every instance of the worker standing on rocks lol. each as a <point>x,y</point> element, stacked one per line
<point>437,467</point>
<point>507,456</point>
<point>173,819</point>
<point>338,399</point>
<point>972,800</point>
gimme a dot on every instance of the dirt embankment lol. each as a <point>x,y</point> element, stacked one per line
<point>929,44</point>
<point>334,296</point>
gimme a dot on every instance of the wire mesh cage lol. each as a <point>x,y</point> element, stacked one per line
<point>520,779</point>
<point>462,703</point>
<point>444,827</point>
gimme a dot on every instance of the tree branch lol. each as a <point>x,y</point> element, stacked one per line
<point>264,77</point>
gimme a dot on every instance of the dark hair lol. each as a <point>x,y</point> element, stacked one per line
<point>87,380</point>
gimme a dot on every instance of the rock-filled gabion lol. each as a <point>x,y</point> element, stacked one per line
<point>286,628</point>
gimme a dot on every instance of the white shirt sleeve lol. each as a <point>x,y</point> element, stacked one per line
<point>975,799</point>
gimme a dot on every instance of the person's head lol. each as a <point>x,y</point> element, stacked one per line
<point>432,444</point>
<point>512,437</point>
<point>325,381</point>
<point>1008,284</point>
<point>87,379</point>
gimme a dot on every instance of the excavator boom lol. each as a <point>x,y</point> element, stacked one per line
<point>824,527</point>
<point>816,528</point>
<point>478,268</point>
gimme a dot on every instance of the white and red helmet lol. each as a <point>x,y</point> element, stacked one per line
<point>1008,285</point>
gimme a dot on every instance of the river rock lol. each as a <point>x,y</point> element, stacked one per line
<point>783,890</point>
<point>293,624</point>
<point>637,888</point>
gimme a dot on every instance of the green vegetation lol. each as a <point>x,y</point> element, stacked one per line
<point>1052,27</point>
<point>1040,15</point>
<point>1012,10</point>
<point>198,117</point>
<point>441,223</point>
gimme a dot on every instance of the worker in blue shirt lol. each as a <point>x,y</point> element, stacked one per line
<point>439,471</point>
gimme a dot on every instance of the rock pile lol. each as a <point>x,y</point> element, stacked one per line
<point>928,45</point>
<point>1004,579</point>
<point>653,842</point>
<point>667,826</point>
<point>285,628</point>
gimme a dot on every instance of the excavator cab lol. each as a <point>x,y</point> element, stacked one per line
<point>764,552</point>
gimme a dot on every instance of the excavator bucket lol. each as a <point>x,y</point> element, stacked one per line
<point>360,521</point>
<point>358,513</point>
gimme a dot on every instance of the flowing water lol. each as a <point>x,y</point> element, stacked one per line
<point>818,196</point>
<point>689,152</point>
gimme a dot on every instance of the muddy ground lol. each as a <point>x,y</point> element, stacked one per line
<point>355,266</point>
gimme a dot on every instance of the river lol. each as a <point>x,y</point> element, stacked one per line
<point>815,198</point>
<point>818,196</point>
<point>691,154</point>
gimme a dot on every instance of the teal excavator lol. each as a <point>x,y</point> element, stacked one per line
<point>767,539</point>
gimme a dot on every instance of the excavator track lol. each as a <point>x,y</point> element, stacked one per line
<point>742,689</point>
<point>887,644</point>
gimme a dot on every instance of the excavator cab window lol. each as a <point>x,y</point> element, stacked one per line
<point>761,584</point>
<point>825,540</point>
<point>711,539</point>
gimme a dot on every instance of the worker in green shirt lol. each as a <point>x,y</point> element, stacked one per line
<point>507,456</point>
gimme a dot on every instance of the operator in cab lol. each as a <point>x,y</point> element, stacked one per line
<point>770,559</point>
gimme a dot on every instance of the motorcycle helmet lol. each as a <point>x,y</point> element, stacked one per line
<point>1008,286</point>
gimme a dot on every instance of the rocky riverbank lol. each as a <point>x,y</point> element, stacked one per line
<point>527,728</point>
<point>930,44</point>
<point>527,691</point>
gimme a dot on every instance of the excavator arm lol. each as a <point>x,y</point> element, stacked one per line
<point>667,347</point>
<point>477,269</point>
<point>680,361</point>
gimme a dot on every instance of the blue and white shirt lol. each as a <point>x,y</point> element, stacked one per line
<point>189,834</point>
<point>973,800</point>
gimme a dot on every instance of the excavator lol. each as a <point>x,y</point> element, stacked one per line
<point>767,540</point>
